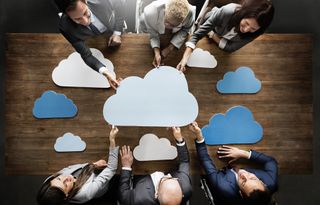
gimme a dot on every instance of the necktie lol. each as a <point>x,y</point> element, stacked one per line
<point>94,29</point>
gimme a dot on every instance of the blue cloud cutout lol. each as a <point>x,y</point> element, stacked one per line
<point>69,143</point>
<point>237,126</point>
<point>54,105</point>
<point>242,80</point>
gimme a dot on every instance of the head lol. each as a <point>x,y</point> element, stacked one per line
<point>252,189</point>
<point>253,17</point>
<point>77,10</point>
<point>55,190</point>
<point>169,191</point>
<point>176,11</point>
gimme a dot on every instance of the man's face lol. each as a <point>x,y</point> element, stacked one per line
<point>81,14</point>
<point>249,182</point>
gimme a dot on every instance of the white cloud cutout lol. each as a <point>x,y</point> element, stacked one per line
<point>201,59</point>
<point>161,99</point>
<point>73,72</point>
<point>69,143</point>
<point>152,148</point>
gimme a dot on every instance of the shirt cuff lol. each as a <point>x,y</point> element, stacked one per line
<point>102,70</point>
<point>222,43</point>
<point>191,45</point>
<point>199,142</point>
<point>181,144</point>
<point>249,154</point>
<point>127,168</point>
<point>118,33</point>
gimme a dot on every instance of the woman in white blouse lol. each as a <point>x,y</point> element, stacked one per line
<point>232,26</point>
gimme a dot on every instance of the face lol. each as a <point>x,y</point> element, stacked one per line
<point>249,25</point>
<point>64,183</point>
<point>170,23</point>
<point>249,182</point>
<point>81,14</point>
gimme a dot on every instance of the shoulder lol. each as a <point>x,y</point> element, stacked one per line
<point>229,9</point>
<point>154,8</point>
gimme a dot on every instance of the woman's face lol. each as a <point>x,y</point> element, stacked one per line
<point>64,183</point>
<point>248,25</point>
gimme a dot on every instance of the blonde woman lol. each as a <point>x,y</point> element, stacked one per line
<point>167,16</point>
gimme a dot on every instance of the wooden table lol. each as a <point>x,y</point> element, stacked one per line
<point>283,62</point>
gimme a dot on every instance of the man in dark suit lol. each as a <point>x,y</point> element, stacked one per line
<point>172,188</point>
<point>234,185</point>
<point>82,19</point>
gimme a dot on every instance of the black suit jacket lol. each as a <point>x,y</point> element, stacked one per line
<point>143,189</point>
<point>109,12</point>
<point>223,184</point>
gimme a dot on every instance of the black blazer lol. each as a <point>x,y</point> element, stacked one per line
<point>223,184</point>
<point>143,189</point>
<point>109,12</point>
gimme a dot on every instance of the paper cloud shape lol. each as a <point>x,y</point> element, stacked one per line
<point>201,59</point>
<point>73,72</point>
<point>69,143</point>
<point>152,148</point>
<point>54,105</point>
<point>161,99</point>
<point>237,126</point>
<point>242,80</point>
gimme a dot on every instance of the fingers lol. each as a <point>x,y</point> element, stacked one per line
<point>110,41</point>
<point>125,150</point>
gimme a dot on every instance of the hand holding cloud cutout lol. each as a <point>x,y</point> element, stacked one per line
<point>69,143</point>
<point>237,126</point>
<point>242,80</point>
<point>54,105</point>
<point>201,59</point>
<point>73,72</point>
<point>161,99</point>
<point>152,148</point>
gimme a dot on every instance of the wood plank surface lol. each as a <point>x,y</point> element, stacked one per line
<point>283,62</point>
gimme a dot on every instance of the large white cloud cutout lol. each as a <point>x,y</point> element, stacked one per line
<point>201,59</point>
<point>73,72</point>
<point>69,143</point>
<point>161,99</point>
<point>152,148</point>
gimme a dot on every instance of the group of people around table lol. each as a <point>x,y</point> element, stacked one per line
<point>231,27</point>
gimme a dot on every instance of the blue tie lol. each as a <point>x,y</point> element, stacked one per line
<point>94,29</point>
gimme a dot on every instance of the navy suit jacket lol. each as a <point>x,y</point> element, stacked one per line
<point>143,189</point>
<point>109,12</point>
<point>223,184</point>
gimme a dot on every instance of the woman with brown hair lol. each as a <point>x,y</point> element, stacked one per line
<point>232,26</point>
<point>80,183</point>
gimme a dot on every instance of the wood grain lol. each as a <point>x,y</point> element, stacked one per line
<point>283,62</point>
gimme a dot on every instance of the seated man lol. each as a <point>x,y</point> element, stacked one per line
<point>234,185</point>
<point>157,188</point>
<point>83,19</point>
<point>164,16</point>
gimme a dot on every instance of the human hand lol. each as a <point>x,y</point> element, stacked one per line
<point>126,156</point>
<point>182,65</point>
<point>165,52</point>
<point>114,40</point>
<point>100,163</point>
<point>111,79</point>
<point>176,131</point>
<point>233,153</point>
<point>113,133</point>
<point>194,127</point>
<point>156,61</point>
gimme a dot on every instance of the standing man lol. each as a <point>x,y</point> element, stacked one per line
<point>234,185</point>
<point>167,16</point>
<point>171,188</point>
<point>82,19</point>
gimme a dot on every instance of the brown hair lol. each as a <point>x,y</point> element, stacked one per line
<point>67,5</point>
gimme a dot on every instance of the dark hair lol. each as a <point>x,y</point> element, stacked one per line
<point>258,197</point>
<point>49,195</point>
<point>261,10</point>
<point>67,5</point>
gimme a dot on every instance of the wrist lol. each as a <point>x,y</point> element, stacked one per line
<point>179,140</point>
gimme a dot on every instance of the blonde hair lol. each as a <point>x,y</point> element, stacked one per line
<point>177,10</point>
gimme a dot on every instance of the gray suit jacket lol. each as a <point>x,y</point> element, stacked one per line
<point>96,185</point>
<point>152,22</point>
<point>109,12</point>
<point>217,22</point>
